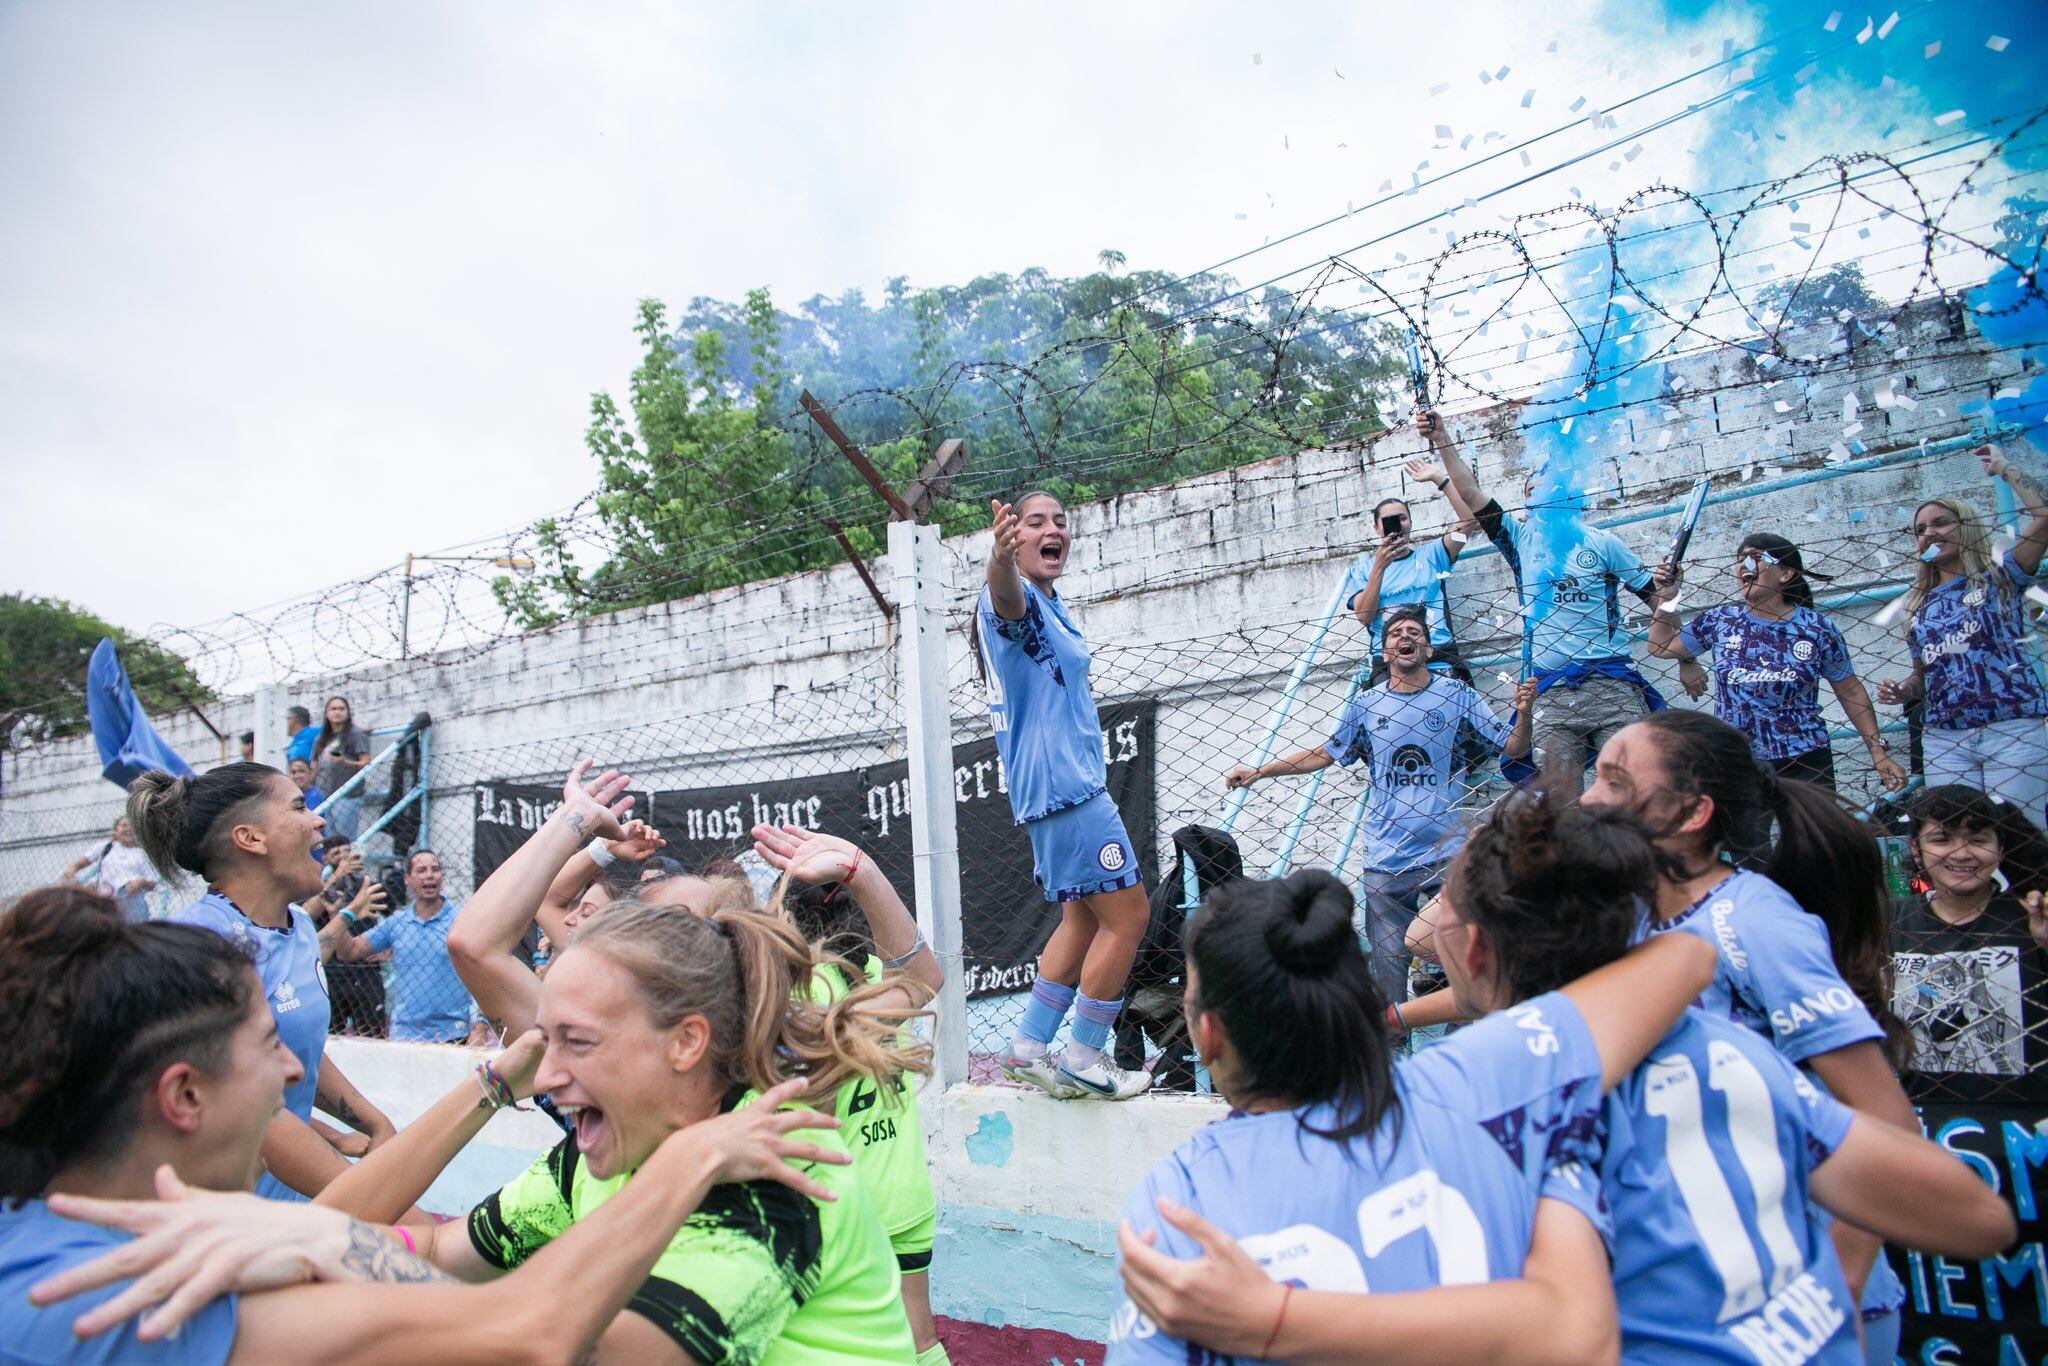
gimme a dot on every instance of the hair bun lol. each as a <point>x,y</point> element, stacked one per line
<point>1306,936</point>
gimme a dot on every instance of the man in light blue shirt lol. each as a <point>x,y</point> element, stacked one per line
<point>428,1002</point>
<point>1414,731</point>
<point>1569,576</point>
<point>1402,572</point>
<point>301,734</point>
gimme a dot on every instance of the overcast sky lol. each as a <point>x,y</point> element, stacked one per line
<point>287,291</point>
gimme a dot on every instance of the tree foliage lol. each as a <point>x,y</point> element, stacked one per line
<point>45,645</point>
<point>711,476</point>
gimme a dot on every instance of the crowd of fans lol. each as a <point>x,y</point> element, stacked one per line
<point>1689,1014</point>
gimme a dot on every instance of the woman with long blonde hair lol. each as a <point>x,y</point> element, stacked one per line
<point>1972,664</point>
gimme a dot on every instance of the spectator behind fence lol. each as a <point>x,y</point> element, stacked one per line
<point>1967,960</point>
<point>300,771</point>
<point>1403,572</point>
<point>1408,730</point>
<point>355,987</point>
<point>248,741</point>
<point>300,734</point>
<point>429,1004</point>
<point>1568,576</point>
<point>1770,651</point>
<point>340,752</point>
<point>246,830</point>
<point>1973,664</point>
<point>120,871</point>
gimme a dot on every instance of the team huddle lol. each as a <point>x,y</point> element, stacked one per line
<point>1667,1125</point>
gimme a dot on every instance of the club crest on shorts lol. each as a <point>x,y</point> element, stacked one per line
<point>1110,856</point>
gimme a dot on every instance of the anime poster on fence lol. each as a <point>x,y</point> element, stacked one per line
<point>1005,917</point>
<point>1960,1313</point>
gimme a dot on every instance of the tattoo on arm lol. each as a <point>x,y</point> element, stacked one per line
<point>576,823</point>
<point>339,1107</point>
<point>373,1257</point>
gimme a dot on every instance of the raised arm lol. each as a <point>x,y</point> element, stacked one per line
<point>1664,622</point>
<point>2033,539</point>
<point>1465,518</point>
<point>1517,744</point>
<point>1365,603</point>
<point>1301,761</point>
<point>481,940</point>
<point>818,859</point>
<point>1005,586</point>
<point>1463,484</point>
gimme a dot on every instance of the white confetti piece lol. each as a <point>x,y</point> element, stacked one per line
<point>1997,44</point>
<point>1891,611</point>
<point>1932,50</point>
<point>1257,60</point>
<point>1885,30</point>
<point>1528,97</point>
<point>1439,89</point>
<point>2009,391</point>
<point>1869,27</point>
<point>1443,130</point>
<point>1834,22</point>
<point>2037,595</point>
<point>1944,120</point>
<point>1456,537</point>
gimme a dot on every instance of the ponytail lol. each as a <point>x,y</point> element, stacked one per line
<point>93,1010</point>
<point>1830,864</point>
<point>1279,962</point>
<point>1824,858</point>
<point>183,823</point>
<point>751,977</point>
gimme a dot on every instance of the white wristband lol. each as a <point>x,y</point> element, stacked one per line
<point>600,853</point>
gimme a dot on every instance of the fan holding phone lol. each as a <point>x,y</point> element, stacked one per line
<point>1403,572</point>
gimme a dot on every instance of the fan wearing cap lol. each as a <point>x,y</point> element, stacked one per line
<point>1770,652</point>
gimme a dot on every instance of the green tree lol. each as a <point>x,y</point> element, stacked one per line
<point>45,645</point>
<point>1835,295</point>
<point>1087,387</point>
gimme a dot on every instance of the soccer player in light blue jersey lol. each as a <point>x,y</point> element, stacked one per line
<point>1802,945</point>
<point>1049,738</point>
<point>1415,732</point>
<point>1709,1154</point>
<point>246,830</point>
<point>1341,1171</point>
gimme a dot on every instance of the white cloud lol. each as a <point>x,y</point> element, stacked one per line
<point>285,293</point>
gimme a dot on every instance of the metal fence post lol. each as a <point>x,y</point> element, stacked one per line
<point>268,724</point>
<point>917,567</point>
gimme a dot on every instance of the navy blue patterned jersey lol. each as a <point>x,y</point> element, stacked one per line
<point>1766,674</point>
<point>1970,638</point>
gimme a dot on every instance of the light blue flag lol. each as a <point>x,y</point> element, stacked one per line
<point>129,744</point>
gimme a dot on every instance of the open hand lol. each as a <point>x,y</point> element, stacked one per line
<point>806,855</point>
<point>596,809</point>
<point>1008,536</point>
<point>1221,1300</point>
<point>752,1143</point>
<point>191,1246</point>
<point>1422,471</point>
<point>1891,692</point>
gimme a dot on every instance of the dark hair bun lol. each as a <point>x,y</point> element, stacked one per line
<point>1306,931</point>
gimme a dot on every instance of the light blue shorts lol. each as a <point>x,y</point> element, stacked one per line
<point>1082,851</point>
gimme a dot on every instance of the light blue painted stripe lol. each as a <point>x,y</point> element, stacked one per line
<point>1004,1268</point>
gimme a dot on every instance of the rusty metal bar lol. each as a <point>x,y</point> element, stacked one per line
<point>857,456</point>
<point>936,478</point>
<point>860,567</point>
